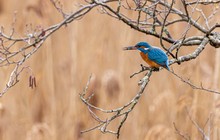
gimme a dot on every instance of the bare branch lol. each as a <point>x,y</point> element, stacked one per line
<point>193,85</point>
<point>180,133</point>
<point>194,54</point>
<point>59,7</point>
<point>32,43</point>
<point>114,113</point>
<point>153,18</point>
<point>205,137</point>
<point>162,29</point>
<point>203,2</point>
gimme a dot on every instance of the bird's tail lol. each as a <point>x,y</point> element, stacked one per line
<point>167,65</point>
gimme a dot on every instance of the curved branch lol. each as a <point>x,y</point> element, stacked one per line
<point>32,42</point>
<point>126,21</point>
<point>123,111</point>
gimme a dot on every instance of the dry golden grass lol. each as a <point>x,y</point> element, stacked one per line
<point>93,44</point>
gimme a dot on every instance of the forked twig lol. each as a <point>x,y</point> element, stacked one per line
<point>122,111</point>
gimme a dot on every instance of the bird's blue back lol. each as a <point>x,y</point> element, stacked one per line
<point>156,55</point>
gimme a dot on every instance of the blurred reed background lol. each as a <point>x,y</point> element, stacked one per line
<point>93,45</point>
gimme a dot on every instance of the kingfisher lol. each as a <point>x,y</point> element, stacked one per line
<point>154,56</point>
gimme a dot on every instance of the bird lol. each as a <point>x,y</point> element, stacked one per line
<point>153,56</point>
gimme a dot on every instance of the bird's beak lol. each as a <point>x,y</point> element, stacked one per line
<point>130,48</point>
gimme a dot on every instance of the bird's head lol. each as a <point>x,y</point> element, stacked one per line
<point>142,46</point>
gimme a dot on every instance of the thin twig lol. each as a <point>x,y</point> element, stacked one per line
<point>123,111</point>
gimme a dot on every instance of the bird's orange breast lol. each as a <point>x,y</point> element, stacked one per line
<point>149,62</point>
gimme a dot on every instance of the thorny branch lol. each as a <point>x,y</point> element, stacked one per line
<point>154,19</point>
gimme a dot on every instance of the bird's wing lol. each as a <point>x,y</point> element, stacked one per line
<point>158,56</point>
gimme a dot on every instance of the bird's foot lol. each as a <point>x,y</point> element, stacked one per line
<point>143,68</point>
<point>155,69</point>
